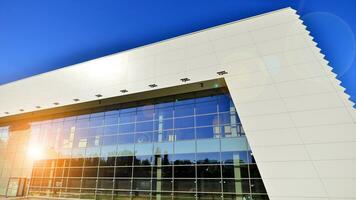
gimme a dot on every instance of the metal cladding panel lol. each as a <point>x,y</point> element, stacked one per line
<point>300,124</point>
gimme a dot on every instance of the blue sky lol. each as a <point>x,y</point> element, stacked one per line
<point>39,35</point>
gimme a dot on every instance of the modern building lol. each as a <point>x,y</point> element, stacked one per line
<point>246,110</point>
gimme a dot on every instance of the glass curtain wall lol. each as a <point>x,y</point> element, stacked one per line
<point>184,148</point>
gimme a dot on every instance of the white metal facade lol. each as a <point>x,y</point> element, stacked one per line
<point>298,120</point>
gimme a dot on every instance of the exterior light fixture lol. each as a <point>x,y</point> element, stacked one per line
<point>220,73</point>
<point>6,113</point>
<point>76,100</point>
<point>99,95</point>
<point>38,107</point>
<point>56,103</point>
<point>184,80</point>
<point>21,110</point>
<point>123,91</point>
<point>152,85</point>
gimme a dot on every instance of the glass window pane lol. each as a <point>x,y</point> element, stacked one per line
<point>210,145</point>
<point>141,184</point>
<point>163,148</point>
<point>125,150</point>
<point>123,172</point>
<point>209,185</point>
<point>143,149</point>
<point>185,134</point>
<point>144,137</point>
<point>126,139</point>
<point>233,171</point>
<point>181,147</point>
<point>184,171</point>
<point>188,185</point>
<point>208,171</point>
<point>207,120</point>
<point>236,186</point>
<point>185,122</point>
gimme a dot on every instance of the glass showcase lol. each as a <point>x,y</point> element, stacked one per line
<point>187,147</point>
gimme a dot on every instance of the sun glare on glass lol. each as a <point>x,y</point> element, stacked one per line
<point>35,152</point>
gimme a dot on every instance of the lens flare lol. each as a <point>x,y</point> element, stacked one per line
<point>35,152</point>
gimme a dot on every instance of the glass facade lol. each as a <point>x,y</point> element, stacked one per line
<point>191,147</point>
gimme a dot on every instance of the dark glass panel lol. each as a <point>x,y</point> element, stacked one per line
<point>259,197</point>
<point>186,122</point>
<point>124,161</point>
<point>145,172</point>
<point>91,162</point>
<point>75,172</point>
<point>208,158</point>
<point>162,172</point>
<point>257,186</point>
<point>77,162</point>
<point>162,195</point>
<point>188,185</point>
<point>209,185</point>
<point>254,172</point>
<point>204,196</point>
<point>70,193</point>
<point>122,184</point>
<point>231,171</point>
<point>162,185</point>
<point>184,159</point>
<point>184,171</point>
<point>89,183</point>
<point>107,172</point>
<point>143,160</point>
<point>251,158</point>
<point>234,157</point>
<point>236,186</point>
<point>166,159</point>
<point>107,161</point>
<point>237,197</point>
<point>90,172</point>
<point>122,195</point>
<point>105,183</point>
<point>208,171</point>
<point>73,182</point>
<point>140,195</point>
<point>123,172</point>
<point>87,194</point>
<point>141,184</point>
